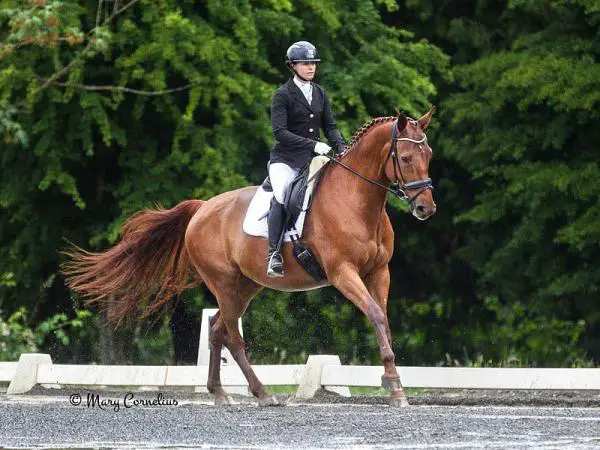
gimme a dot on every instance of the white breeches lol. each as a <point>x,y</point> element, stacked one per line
<point>281,175</point>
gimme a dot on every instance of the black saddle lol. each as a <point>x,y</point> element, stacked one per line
<point>294,197</point>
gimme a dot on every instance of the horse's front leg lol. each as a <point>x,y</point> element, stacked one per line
<point>378,285</point>
<point>348,282</point>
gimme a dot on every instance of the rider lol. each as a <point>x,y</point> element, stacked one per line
<point>298,111</point>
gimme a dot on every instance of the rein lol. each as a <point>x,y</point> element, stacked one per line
<point>397,188</point>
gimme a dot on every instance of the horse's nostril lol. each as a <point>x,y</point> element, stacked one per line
<point>420,209</point>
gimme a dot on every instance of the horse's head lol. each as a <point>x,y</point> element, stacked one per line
<point>407,164</point>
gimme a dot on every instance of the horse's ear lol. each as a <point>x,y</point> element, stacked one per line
<point>424,121</point>
<point>402,122</point>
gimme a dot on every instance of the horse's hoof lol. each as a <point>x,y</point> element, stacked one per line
<point>270,400</point>
<point>391,384</point>
<point>224,400</point>
<point>398,399</point>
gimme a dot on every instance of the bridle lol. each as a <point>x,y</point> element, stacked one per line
<point>398,187</point>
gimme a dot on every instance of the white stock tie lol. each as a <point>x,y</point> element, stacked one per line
<point>306,89</point>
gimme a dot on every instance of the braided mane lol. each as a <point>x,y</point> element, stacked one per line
<point>364,129</point>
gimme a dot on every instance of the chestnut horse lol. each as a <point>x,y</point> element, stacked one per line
<point>163,252</point>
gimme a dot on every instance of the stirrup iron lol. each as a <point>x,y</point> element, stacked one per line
<point>275,265</point>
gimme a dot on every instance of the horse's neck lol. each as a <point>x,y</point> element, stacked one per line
<point>363,201</point>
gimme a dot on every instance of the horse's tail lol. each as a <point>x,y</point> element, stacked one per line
<point>143,271</point>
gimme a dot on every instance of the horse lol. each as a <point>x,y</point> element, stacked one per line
<point>162,252</point>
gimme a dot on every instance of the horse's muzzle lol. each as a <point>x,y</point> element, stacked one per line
<point>423,211</point>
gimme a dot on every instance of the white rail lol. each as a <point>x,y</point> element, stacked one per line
<point>467,378</point>
<point>162,375</point>
<point>7,371</point>
<point>321,371</point>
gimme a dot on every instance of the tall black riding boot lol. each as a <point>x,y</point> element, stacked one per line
<point>276,222</point>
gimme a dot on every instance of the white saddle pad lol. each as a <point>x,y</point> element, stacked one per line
<point>255,222</point>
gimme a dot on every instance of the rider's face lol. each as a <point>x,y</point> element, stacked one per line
<point>306,69</point>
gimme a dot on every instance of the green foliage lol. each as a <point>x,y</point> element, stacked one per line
<point>287,328</point>
<point>154,348</point>
<point>518,136</point>
<point>7,280</point>
<point>110,107</point>
<point>521,335</point>
<point>18,337</point>
<point>534,153</point>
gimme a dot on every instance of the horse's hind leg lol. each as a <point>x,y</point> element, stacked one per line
<point>216,338</point>
<point>236,345</point>
<point>233,293</point>
<point>232,308</point>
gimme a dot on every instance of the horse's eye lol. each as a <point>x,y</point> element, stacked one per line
<point>406,159</point>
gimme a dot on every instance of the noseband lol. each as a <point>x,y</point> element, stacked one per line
<point>398,186</point>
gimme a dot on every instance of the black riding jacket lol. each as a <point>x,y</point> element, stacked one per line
<point>297,125</point>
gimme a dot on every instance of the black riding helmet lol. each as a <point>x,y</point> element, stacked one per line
<point>301,51</point>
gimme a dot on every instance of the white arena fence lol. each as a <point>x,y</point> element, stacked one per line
<point>320,371</point>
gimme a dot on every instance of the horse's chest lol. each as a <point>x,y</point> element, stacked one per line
<point>371,256</point>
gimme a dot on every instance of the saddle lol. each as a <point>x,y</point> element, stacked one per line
<point>298,199</point>
<point>302,186</point>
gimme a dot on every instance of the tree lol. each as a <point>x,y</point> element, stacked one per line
<point>109,107</point>
<point>518,133</point>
